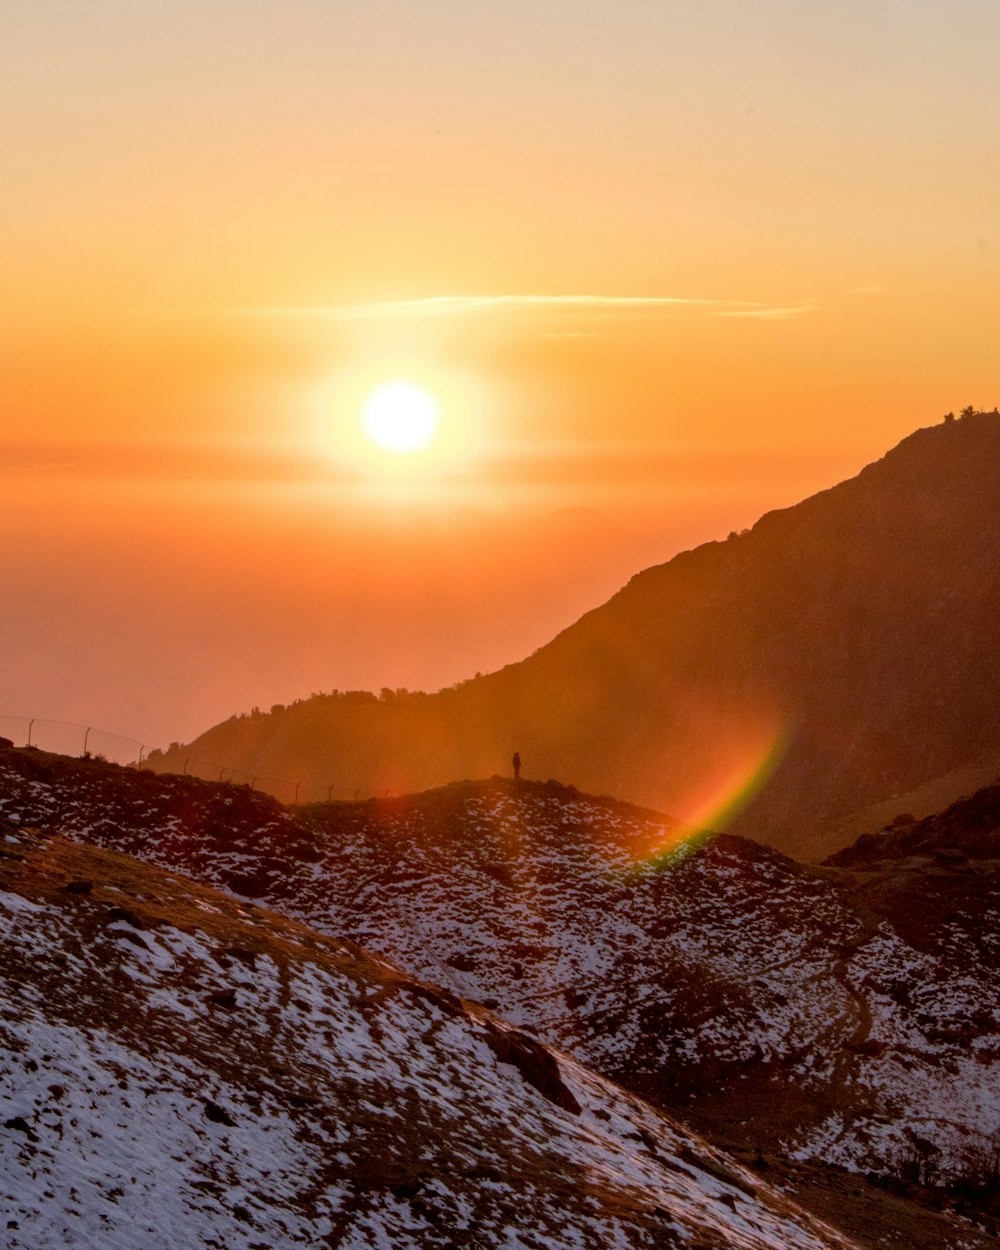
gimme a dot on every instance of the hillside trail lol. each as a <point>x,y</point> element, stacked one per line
<point>858,1018</point>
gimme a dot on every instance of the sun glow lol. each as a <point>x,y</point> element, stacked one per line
<point>400,417</point>
<point>400,431</point>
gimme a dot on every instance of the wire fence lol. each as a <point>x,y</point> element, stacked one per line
<point>68,738</point>
<point>89,741</point>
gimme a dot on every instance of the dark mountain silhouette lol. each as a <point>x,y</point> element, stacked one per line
<point>838,1015</point>
<point>847,650</point>
<point>182,1072</point>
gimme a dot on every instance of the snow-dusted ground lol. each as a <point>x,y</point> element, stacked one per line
<point>727,958</point>
<point>178,1070</point>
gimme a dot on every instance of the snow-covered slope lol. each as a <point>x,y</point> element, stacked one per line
<point>179,1070</point>
<point>774,1003</point>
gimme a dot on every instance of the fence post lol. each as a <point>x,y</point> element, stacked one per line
<point>85,737</point>
<point>142,747</point>
<point>186,762</point>
<point>221,771</point>
<point>296,794</point>
<point>30,725</point>
<point>329,793</point>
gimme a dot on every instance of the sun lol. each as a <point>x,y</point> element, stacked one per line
<point>400,417</point>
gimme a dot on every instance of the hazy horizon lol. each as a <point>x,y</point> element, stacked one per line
<point>425,629</point>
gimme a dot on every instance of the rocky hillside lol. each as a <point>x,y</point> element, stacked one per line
<point>838,1015</point>
<point>844,651</point>
<point>181,1071</point>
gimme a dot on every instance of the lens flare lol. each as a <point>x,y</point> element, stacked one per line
<point>736,786</point>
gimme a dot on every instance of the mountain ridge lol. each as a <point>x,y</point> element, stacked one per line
<point>841,650</point>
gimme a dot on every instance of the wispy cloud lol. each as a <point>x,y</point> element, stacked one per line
<point>465,305</point>
<point>568,334</point>
<point>165,462</point>
<point>776,313</point>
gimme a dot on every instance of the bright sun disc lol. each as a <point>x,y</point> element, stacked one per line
<point>400,416</point>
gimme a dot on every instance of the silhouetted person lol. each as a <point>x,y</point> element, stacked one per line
<point>517,766</point>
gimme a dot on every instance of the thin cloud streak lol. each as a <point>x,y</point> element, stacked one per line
<point>464,305</point>
<point>568,334</point>
<point>770,314</point>
<point>156,460</point>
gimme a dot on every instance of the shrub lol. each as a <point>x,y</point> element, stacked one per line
<point>979,1176</point>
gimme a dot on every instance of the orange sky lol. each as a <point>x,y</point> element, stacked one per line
<point>664,265</point>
